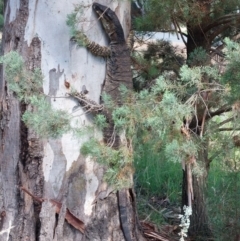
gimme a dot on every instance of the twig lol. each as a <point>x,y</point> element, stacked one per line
<point>181,34</point>
<point>221,110</point>
<point>156,236</point>
<point>203,122</point>
<point>225,121</point>
<point>40,200</point>
<point>190,186</point>
<point>229,129</point>
<point>156,209</point>
<point>175,26</point>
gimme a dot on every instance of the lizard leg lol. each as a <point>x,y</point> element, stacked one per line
<point>98,50</point>
<point>130,40</point>
<point>82,40</point>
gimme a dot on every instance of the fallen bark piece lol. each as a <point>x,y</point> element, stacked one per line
<point>70,217</point>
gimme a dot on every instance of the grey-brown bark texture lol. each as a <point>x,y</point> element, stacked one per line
<point>199,221</point>
<point>53,169</point>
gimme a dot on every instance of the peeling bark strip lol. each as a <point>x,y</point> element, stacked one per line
<point>123,211</point>
<point>71,218</point>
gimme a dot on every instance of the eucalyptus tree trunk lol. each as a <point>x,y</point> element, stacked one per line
<point>53,170</point>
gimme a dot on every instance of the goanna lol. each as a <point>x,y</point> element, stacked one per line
<point>118,72</point>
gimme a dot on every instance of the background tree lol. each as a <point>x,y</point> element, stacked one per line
<point>206,23</point>
<point>38,151</point>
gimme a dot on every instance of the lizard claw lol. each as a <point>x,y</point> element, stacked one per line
<point>80,38</point>
<point>84,90</point>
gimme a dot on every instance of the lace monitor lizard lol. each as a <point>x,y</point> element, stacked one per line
<point>118,73</point>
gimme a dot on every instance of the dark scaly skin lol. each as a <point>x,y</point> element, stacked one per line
<point>118,61</point>
<point>118,64</point>
<point>118,73</point>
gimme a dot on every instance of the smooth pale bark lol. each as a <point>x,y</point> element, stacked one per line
<point>53,168</point>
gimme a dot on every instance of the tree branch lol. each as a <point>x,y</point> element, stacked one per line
<point>225,121</point>
<point>218,51</point>
<point>223,109</point>
<point>181,34</point>
<point>216,154</point>
<point>229,129</point>
<point>222,20</point>
<point>210,159</point>
<point>220,30</point>
<point>173,31</point>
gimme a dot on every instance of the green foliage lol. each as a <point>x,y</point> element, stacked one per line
<point>92,148</point>
<point>44,120</point>
<point>224,7</point>
<point>177,151</point>
<point>83,131</point>
<point>121,117</point>
<point>80,38</point>
<point>160,15</point>
<point>156,114</point>
<point>198,57</point>
<point>164,55</point>
<point>161,112</point>
<point>27,85</point>
<point>100,121</point>
<point>197,82</point>
<point>72,21</point>
<point>170,110</point>
<point>107,100</point>
<point>73,18</point>
<point>173,102</point>
<point>118,162</point>
<point>159,58</point>
<point>232,74</point>
<point>21,81</point>
<point>155,174</point>
<point>199,76</point>
<point>155,178</point>
<point>223,200</point>
<point>124,91</point>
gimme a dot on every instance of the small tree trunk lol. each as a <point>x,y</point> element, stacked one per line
<point>199,222</point>
<point>199,226</point>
